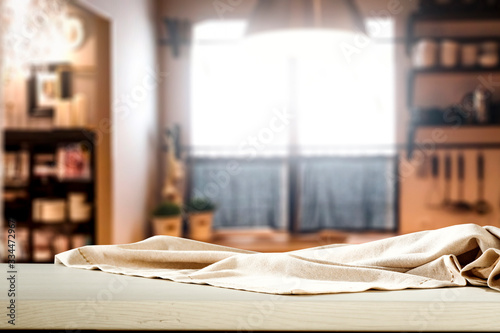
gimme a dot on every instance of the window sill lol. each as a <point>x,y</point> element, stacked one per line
<point>267,240</point>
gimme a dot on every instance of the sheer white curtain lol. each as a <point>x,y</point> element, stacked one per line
<point>323,93</point>
<point>236,96</point>
<point>339,92</point>
<point>346,106</point>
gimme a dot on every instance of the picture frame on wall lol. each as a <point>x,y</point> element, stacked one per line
<point>46,85</point>
<point>46,89</point>
<point>73,162</point>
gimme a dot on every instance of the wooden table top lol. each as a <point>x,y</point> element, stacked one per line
<point>52,296</point>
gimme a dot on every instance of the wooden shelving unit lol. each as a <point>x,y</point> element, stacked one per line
<point>450,14</point>
<point>454,70</point>
<point>428,117</point>
<point>20,209</point>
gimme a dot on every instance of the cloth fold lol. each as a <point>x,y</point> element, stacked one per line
<point>448,257</point>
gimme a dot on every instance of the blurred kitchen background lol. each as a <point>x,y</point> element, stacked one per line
<point>269,125</point>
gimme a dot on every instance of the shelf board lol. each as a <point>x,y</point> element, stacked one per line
<point>75,181</point>
<point>37,180</point>
<point>458,15</point>
<point>36,141</point>
<point>65,223</point>
<point>458,137</point>
<point>47,137</point>
<point>20,225</point>
<point>458,127</point>
<point>459,39</point>
<point>17,204</point>
<point>455,70</point>
<point>67,226</point>
<point>15,187</point>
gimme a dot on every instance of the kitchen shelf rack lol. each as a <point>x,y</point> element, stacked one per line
<point>21,210</point>
<point>455,70</point>
<point>446,13</point>
<point>464,14</point>
<point>467,145</point>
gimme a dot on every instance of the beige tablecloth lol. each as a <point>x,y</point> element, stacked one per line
<point>452,256</point>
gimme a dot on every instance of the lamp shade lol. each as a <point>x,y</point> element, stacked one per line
<point>277,15</point>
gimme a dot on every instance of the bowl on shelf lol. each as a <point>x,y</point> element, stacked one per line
<point>429,116</point>
<point>49,210</point>
<point>494,113</point>
<point>79,213</point>
<point>449,116</point>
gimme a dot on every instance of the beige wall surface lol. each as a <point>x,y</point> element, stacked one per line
<point>135,78</point>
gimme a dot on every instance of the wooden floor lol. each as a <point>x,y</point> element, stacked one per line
<point>277,241</point>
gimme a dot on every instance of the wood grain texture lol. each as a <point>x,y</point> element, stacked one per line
<point>56,297</point>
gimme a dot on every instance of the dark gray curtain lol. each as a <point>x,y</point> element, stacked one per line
<point>352,193</point>
<point>247,194</point>
<point>349,193</point>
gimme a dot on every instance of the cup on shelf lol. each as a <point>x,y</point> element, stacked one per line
<point>481,101</point>
<point>489,54</point>
<point>49,210</point>
<point>77,197</point>
<point>449,53</point>
<point>80,212</point>
<point>469,55</point>
<point>79,240</point>
<point>60,243</point>
<point>425,53</point>
<point>488,60</point>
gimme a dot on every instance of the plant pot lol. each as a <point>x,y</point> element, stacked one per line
<point>200,226</point>
<point>169,226</point>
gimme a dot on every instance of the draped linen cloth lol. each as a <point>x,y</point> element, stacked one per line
<point>448,257</point>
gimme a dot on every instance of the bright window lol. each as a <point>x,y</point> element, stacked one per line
<point>318,92</point>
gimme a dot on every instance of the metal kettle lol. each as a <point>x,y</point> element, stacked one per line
<point>481,102</point>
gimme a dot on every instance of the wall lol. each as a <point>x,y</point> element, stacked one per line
<point>133,122</point>
<point>91,77</point>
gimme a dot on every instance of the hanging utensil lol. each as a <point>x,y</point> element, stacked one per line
<point>482,101</point>
<point>447,181</point>
<point>434,196</point>
<point>461,205</point>
<point>422,160</point>
<point>482,206</point>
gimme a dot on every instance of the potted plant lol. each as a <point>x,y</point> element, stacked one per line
<point>200,216</point>
<point>167,219</point>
